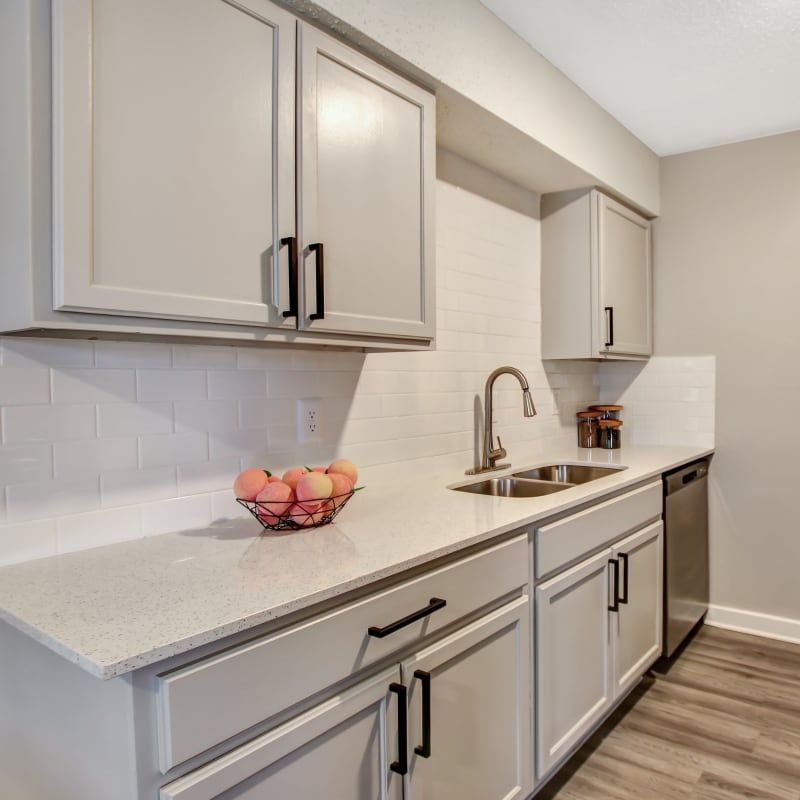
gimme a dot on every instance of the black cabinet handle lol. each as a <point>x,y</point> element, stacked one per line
<point>615,565</point>
<point>401,765</point>
<point>435,604</point>
<point>424,678</point>
<point>623,598</point>
<point>320,312</point>
<point>292,242</point>
<point>610,325</point>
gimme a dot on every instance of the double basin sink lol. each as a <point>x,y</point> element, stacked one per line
<point>538,481</point>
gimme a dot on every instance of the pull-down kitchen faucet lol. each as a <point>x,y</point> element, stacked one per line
<point>491,454</point>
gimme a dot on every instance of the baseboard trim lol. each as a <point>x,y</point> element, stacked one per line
<point>772,627</point>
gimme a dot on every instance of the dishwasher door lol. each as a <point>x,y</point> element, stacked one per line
<point>685,551</point>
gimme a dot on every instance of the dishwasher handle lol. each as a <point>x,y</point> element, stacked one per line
<point>678,479</point>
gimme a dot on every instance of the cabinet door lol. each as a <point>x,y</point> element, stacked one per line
<point>636,628</point>
<point>173,158</point>
<point>366,171</point>
<point>470,717</point>
<point>625,293</point>
<point>573,680</point>
<point>340,749</point>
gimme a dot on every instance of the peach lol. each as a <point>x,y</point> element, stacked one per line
<point>293,475</point>
<point>305,514</point>
<point>344,467</point>
<point>274,479</point>
<point>313,486</point>
<point>274,501</point>
<point>249,483</point>
<point>342,486</point>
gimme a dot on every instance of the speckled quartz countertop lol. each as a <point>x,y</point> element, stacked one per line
<point>116,608</point>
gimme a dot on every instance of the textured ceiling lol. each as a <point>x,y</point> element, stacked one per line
<point>679,74</point>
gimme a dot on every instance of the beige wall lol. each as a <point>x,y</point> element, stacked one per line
<point>727,283</point>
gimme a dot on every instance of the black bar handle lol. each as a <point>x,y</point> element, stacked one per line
<point>615,564</point>
<point>424,678</point>
<point>320,312</point>
<point>401,765</point>
<point>610,325</point>
<point>623,598</point>
<point>292,242</point>
<point>435,604</point>
<point>689,477</point>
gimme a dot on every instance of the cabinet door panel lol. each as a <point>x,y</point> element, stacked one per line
<point>624,264</point>
<point>480,711</point>
<point>573,681</point>
<point>174,159</point>
<point>367,171</point>
<point>341,748</point>
<point>636,629</point>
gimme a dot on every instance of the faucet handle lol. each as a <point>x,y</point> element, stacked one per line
<point>498,452</point>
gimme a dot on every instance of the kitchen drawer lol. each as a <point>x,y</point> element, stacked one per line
<point>204,703</point>
<point>560,543</point>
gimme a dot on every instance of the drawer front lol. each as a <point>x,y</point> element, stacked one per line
<point>205,703</point>
<point>571,538</point>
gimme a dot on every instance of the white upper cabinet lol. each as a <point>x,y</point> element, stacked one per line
<point>174,151</point>
<point>219,169</point>
<point>596,278</point>
<point>367,143</point>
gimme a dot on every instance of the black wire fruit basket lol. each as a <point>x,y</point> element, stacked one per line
<point>314,513</point>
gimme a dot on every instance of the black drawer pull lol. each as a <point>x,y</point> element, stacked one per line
<point>615,564</point>
<point>424,678</point>
<point>401,765</point>
<point>610,325</point>
<point>320,312</point>
<point>623,598</point>
<point>435,604</point>
<point>292,242</point>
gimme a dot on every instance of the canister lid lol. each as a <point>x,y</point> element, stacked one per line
<point>606,408</point>
<point>588,415</point>
<point>610,423</point>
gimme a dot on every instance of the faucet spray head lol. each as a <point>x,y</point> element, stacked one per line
<point>527,403</point>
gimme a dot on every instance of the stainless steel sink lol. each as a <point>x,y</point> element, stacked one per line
<point>567,473</point>
<point>512,487</point>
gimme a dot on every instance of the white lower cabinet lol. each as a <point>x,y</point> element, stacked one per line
<point>338,749</point>
<point>451,721</point>
<point>598,629</point>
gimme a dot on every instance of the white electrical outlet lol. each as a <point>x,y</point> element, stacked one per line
<point>309,420</point>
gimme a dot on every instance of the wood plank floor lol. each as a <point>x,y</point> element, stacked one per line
<point>721,721</point>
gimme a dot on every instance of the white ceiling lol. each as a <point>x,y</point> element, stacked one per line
<point>679,74</point>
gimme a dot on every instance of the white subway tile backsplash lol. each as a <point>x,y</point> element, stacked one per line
<point>164,449</point>
<point>48,423</point>
<point>24,386</point>
<point>47,353</point>
<point>157,384</point>
<point>94,386</point>
<point>93,456</point>
<point>130,419</point>
<point>44,499</point>
<point>26,541</point>
<point>198,357</point>
<point>212,416</point>
<point>237,444</point>
<point>209,476</point>
<point>98,528</point>
<point>177,513</point>
<point>121,355</point>
<point>25,463</point>
<point>235,384</point>
<point>129,486</point>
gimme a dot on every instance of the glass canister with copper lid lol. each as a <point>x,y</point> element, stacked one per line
<point>607,411</point>
<point>609,433</point>
<point>587,428</point>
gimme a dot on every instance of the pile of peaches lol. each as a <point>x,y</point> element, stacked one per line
<point>303,497</point>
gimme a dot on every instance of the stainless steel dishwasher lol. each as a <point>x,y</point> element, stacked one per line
<point>685,551</point>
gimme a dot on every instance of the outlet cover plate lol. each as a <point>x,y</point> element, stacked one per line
<point>309,420</point>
